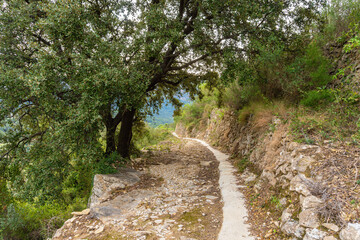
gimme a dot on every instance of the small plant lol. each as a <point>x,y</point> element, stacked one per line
<point>243,164</point>
<point>317,98</point>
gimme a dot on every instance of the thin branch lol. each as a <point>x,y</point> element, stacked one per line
<point>25,139</point>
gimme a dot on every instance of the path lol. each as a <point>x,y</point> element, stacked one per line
<point>182,195</point>
<point>234,210</point>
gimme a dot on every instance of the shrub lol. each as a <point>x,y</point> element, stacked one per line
<point>317,98</point>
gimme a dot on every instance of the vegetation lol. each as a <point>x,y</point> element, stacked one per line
<point>322,98</point>
<point>79,78</point>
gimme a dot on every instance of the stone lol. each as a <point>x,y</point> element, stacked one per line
<point>211,197</point>
<point>311,202</point>
<point>314,234</point>
<point>99,230</point>
<point>104,184</point>
<point>205,163</point>
<point>158,221</point>
<point>286,215</point>
<point>330,238</point>
<point>248,177</point>
<point>270,176</point>
<point>293,228</point>
<point>309,218</point>
<point>351,232</point>
<point>331,227</point>
<point>303,163</point>
<point>84,212</point>
<point>283,201</point>
<point>298,185</point>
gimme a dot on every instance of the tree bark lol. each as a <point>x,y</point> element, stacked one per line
<point>125,135</point>
<point>110,139</point>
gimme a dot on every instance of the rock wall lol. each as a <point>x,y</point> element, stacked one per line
<point>299,174</point>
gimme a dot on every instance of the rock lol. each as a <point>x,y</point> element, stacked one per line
<point>311,202</point>
<point>286,215</point>
<point>105,184</point>
<point>84,212</point>
<point>205,163</point>
<point>309,218</point>
<point>330,238</point>
<point>314,234</point>
<point>331,226</point>
<point>298,185</point>
<point>100,230</point>
<point>211,197</point>
<point>283,201</point>
<point>351,232</point>
<point>158,221</point>
<point>270,176</point>
<point>293,228</point>
<point>248,177</point>
<point>303,163</point>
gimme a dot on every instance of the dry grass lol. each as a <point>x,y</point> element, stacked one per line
<point>261,114</point>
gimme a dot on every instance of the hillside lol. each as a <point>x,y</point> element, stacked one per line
<point>274,85</point>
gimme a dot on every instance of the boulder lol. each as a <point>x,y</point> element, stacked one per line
<point>309,218</point>
<point>311,202</point>
<point>248,177</point>
<point>303,163</point>
<point>298,185</point>
<point>269,176</point>
<point>293,228</point>
<point>105,184</point>
<point>351,232</point>
<point>286,215</point>
<point>314,234</point>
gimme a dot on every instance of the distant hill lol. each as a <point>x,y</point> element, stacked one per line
<point>165,114</point>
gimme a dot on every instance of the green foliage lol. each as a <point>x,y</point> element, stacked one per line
<point>243,164</point>
<point>236,97</point>
<point>318,98</point>
<point>29,221</point>
<point>146,136</point>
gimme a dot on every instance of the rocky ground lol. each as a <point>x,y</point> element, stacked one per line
<point>174,194</point>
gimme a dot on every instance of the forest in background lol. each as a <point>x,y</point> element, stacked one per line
<point>54,90</point>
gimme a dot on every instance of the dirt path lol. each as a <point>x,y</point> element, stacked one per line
<point>234,210</point>
<point>177,198</point>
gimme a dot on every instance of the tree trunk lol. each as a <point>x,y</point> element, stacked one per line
<point>125,135</point>
<point>110,140</point>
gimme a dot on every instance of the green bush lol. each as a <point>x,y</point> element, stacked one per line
<point>318,98</point>
<point>30,221</point>
<point>236,97</point>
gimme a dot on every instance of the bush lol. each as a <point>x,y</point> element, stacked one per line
<point>29,221</point>
<point>317,98</point>
<point>236,97</point>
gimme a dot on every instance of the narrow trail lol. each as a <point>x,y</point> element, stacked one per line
<point>234,210</point>
<point>185,190</point>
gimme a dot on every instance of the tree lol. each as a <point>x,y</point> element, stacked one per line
<point>70,69</point>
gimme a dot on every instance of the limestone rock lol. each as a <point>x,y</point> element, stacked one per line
<point>314,234</point>
<point>286,215</point>
<point>293,228</point>
<point>84,212</point>
<point>309,218</point>
<point>311,202</point>
<point>298,185</point>
<point>351,232</point>
<point>105,184</point>
<point>331,226</point>
<point>303,163</point>
<point>248,177</point>
<point>269,176</point>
